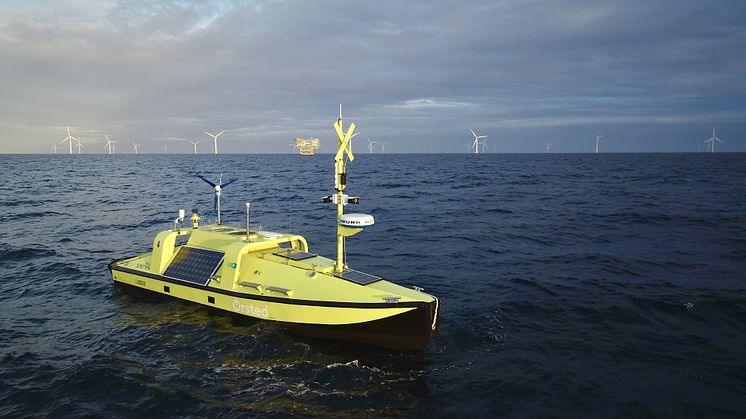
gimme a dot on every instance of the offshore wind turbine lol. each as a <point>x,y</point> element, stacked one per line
<point>79,145</point>
<point>70,139</point>
<point>54,146</point>
<point>370,145</point>
<point>109,144</point>
<point>598,137</point>
<point>136,146</point>
<point>215,137</point>
<point>547,146</point>
<point>194,143</point>
<point>475,144</point>
<point>711,141</point>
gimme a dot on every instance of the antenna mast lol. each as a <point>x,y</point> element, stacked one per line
<point>340,182</point>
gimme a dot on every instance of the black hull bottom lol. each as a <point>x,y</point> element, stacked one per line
<point>409,331</point>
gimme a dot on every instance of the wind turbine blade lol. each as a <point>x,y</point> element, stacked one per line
<point>227,183</point>
<point>472,132</point>
<point>221,133</point>
<point>208,182</point>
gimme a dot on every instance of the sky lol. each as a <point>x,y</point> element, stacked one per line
<point>647,75</point>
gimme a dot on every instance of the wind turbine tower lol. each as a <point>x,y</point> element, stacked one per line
<point>215,137</point>
<point>194,143</point>
<point>69,140</point>
<point>109,144</point>
<point>136,146</point>
<point>478,140</point>
<point>598,137</point>
<point>711,142</point>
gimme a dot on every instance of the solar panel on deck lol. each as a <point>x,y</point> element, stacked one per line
<point>359,277</point>
<point>296,255</point>
<point>194,265</point>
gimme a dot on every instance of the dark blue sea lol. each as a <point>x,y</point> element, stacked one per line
<point>572,285</point>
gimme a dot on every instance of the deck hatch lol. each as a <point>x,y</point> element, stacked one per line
<point>359,277</point>
<point>194,265</point>
<point>296,255</point>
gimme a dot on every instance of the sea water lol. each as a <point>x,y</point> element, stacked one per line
<point>577,285</point>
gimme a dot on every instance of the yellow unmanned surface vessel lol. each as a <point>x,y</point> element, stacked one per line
<point>274,276</point>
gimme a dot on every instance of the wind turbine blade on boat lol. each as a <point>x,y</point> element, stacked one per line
<point>228,183</point>
<point>208,182</point>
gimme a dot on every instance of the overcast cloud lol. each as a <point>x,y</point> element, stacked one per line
<point>656,75</point>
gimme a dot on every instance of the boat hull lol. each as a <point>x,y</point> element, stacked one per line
<point>407,326</point>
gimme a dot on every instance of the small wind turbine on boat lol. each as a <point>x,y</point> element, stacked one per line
<point>215,138</point>
<point>218,187</point>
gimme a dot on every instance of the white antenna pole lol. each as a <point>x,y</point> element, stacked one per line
<point>248,205</point>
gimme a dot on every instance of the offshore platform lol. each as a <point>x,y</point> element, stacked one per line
<point>306,146</point>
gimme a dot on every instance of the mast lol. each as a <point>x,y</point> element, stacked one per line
<point>340,182</point>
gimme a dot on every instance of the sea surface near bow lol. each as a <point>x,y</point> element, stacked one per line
<point>575,285</point>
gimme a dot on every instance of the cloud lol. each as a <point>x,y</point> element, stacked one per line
<point>278,69</point>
